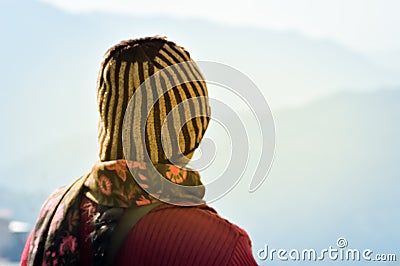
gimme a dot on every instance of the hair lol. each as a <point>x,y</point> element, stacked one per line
<point>105,222</point>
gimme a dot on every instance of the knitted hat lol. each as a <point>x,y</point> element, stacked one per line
<point>124,68</point>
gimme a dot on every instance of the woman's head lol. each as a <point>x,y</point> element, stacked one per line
<point>124,68</point>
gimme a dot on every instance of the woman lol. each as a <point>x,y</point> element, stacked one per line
<point>81,224</point>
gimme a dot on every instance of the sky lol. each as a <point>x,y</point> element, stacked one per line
<point>363,25</point>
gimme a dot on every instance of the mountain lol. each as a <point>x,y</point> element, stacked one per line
<point>335,175</point>
<point>50,61</point>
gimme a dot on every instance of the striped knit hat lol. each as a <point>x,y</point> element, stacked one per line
<point>124,68</point>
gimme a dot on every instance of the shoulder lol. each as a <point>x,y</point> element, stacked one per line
<point>173,235</point>
<point>201,216</point>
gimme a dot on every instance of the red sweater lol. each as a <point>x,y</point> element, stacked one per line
<point>173,235</point>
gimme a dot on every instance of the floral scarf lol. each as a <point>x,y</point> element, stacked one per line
<point>55,236</point>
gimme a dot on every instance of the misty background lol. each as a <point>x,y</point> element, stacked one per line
<point>329,73</point>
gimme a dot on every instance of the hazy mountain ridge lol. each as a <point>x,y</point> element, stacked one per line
<point>330,123</point>
<point>51,59</point>
<point>338,157</point>
<point>335,174</point>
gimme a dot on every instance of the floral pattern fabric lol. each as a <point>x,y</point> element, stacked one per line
<point>111,183</point>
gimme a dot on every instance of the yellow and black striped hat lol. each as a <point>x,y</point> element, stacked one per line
<point>124,68</point>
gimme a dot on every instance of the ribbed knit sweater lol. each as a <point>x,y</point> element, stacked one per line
<point>173,235</point>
